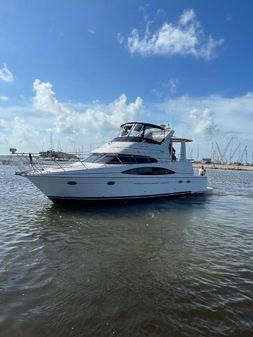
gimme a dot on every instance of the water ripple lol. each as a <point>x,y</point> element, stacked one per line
<point>178,267</point>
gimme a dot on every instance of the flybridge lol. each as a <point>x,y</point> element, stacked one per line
<point>148,131</point>
<point>139,132</point>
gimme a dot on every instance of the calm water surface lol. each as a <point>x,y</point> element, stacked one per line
<point>177,267</point>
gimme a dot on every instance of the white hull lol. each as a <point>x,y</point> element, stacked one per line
<point>111,188</point>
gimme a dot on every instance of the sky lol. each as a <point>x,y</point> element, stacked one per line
<point>72,71</point>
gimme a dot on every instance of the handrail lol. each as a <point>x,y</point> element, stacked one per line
<point>35,162</point>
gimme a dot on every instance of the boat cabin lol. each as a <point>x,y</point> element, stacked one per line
<point>154,134</point>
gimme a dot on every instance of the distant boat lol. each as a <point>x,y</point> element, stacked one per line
<point>140,163</point>
<point>57,155</point>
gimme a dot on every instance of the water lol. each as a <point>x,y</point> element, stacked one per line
<point>176,267</point>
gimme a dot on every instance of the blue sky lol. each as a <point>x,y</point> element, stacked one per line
<point>72,71</point>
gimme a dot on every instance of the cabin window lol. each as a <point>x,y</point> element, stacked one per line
<point>111,160</point>
<point>119,159</point>
<point>93,158</point>
<point>149,171</point>
<point>126,159</point>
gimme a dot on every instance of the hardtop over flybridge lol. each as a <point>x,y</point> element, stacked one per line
<point>140,163</point>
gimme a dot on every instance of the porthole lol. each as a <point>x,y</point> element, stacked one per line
<point>188,181</point>
<point>180,181</point>
<point>111,183</point>
<point>72,183</point>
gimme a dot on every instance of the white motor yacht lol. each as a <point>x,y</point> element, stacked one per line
<point>139,163</point>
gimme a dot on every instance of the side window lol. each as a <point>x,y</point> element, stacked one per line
<point>143,160</point>
<point>149,171</point>
<point>119,159</point>
<point>127,159</point>
<point>113,160</point>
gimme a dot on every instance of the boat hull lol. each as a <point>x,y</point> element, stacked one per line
<point>95,188</point>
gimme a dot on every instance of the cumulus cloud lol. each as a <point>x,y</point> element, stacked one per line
<point>24,133</point>
<point>5,74</point>
<point>107,118</point>
<point>69,121</point>
<point>44,98</point>
<point>82,125</point>
<point>200,116</point>
<point>4,98</point>
<point>203,122</point>
<point>209,119</point>
<point>186,37</point>
<point>210,116</point>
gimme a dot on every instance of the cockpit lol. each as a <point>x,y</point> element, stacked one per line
<point>138,132</point>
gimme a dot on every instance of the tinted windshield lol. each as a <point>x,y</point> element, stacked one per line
<point>118,159</point>
<point>131,130</point>
<point>144,131</point>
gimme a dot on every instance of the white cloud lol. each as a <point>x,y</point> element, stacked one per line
<point>165,90</point>
<point>85,125</point>
<point>6,75</point>
<point>210,119</point>
<point>23,133</point>
<point>2,124</point>
<point>44,98</point>
<point>202,116</point>
<point>121,38</point>
<point>211,116</point>
<point>107,118</point>
<point>2,140</point>
<point>69,121</point>
<point>91,31</point>
<point>187,17</point>
<point>173,83</point>
<point>4,98</point>
<point>184,38</point>
<point>203,122</point>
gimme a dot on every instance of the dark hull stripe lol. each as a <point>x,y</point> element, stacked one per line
<point>124,198</point>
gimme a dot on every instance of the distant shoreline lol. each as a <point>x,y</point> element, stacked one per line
<point>8,159</point>
<point>224,166</point>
